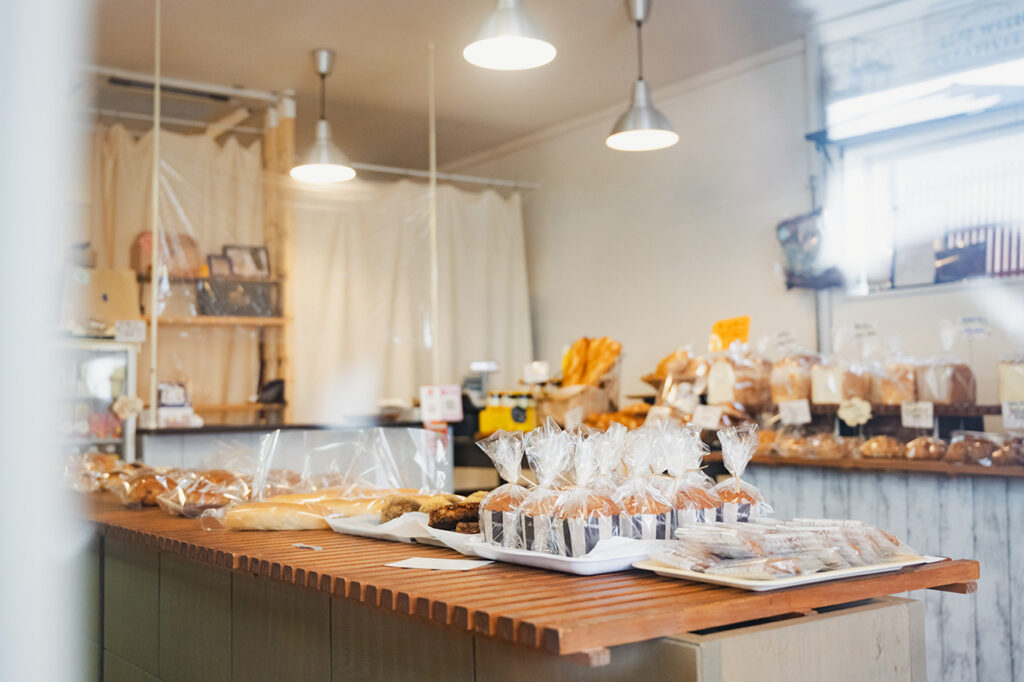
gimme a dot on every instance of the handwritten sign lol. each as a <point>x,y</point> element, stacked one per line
<point>917,414</point>
<point>795,412</point>
<point>724,332</point>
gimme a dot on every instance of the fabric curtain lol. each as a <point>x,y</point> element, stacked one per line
<point>362,286</point>
<point>209,191</point>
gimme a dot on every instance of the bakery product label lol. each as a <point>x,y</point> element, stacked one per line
<point>1013,414</point>
<point>919,414</point>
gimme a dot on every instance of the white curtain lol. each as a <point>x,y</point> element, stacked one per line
<point>362,285</point>
<point>209,191</point>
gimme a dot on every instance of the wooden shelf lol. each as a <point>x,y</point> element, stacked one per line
<point>237,407</point>
<point>220,321</point>
<point>143,279</point>
<point>955,410</point>
<point>919,466</point>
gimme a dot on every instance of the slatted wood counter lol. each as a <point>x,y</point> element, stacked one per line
<point>559,613</point>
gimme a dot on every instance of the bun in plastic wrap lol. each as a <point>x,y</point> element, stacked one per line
<point>740,500</point>
<point>499,510</point>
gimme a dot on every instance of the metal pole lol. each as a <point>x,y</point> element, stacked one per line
<point>435,314</point>
<point>154,220</point>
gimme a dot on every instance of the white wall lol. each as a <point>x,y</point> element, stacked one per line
<point>652,248</point>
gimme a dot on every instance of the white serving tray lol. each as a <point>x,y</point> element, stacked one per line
<point>615,556</point>
<point>780,583</point>
<point>406,528</point>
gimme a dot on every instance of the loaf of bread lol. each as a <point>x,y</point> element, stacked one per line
<point>743,380</point>
<point>831,384</point>
<point>893,384</point>
<point>273,516</point>
<point>945,383</point>
<point>791,378</point>
<point>1011,380</point>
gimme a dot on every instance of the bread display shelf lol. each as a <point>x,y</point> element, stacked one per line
<point>144,279</point>
<point>919,466</point>
<point>954,410</point>
<point>220,321</point>
<point>560,613</point>
<point>238,407</point>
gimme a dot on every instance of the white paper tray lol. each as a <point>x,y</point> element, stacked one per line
<point>618,556</point>
<point>780,583</point>
<point>410,527</point>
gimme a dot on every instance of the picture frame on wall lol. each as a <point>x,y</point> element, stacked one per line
<point>248,261</point>
<point>220,266</point>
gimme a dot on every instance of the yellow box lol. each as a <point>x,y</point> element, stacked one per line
<point>493,418</point>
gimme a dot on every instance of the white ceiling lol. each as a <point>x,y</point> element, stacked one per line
<point>377,96</point>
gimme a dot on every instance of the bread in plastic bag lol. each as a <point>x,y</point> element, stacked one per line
<point>737,375</point>
<point>791,377</point>
<point>882,447</point>
<point>692,496</point>
<point>645,511</point>
<point>584,514</point>
<point>547,451</point>
<point>971,447</point>
<point>926,448</point>
<point>265,516</point>
<point>499,510</point>
<point>1011,377</point>
<point>1010,452</point>
<point>740,500</point>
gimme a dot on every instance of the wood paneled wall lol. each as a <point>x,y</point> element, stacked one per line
<point>978,637</point>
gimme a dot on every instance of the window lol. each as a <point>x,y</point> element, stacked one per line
<point>924,139</point>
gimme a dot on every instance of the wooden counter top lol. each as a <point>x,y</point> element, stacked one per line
<point>563,614</point>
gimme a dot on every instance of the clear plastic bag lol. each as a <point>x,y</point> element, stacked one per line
<point>882,447</point>
<point>946,379</point>
<point>692,496</point>
<point>740,500</point>
<point>142,488</point>
<point>645,511</point>
<point>738,376</point>
<point>926,448</point>
<point>972,447</point>
<point>583,515</point>
<point>791,376</point>
<point>547,451</point>
<point>1010,452</point>
<point>499,511</point>
<point>1011,377</point>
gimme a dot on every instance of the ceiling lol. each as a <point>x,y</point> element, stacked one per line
<point>377,96</point>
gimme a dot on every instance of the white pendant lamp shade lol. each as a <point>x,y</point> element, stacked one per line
<point>509,41</point>
<point>642,128</point>
<point>324,163</point>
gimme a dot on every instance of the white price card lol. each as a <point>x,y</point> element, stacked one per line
<point>1013,414</point>
<point>441,403</point>
<point>536,372</point>
<point>864,330</point>
<point>708,417</point>
<point>795,412</point>
<point>974,326</point>
<point>917,415</point>
<point>130,331</point>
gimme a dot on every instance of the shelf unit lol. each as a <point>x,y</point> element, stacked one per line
<point>220,321</point>
<point>238,407</point>
<point>890,465</point>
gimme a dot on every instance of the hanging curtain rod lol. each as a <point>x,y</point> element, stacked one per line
<point>179,84</point>
<point>183,122</point>
<point>451,177</point>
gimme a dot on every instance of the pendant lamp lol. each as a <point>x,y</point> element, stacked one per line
<point>324,163</point>
<point>642,128</point>
<point>509,41</point>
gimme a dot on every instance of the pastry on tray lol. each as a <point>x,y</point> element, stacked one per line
<point>448,517</point>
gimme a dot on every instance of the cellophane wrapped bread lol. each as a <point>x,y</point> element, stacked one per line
<point>1011,377</point>
<point>946,381</point>
<point>972,447</point>
<point>198,491</point>
<point>771,549</point>
<point>585,513</point>
<point>499,511</point>
<point>646,513</point>
<point>692,494</point>
<point>739,376</point>
<point>926,448</point>
<point>1010,452</point>
<point>894,382</point>
<point>791,377</point>
<point>833,381</point>
<point>741,501</point>
<point>882,447</point>
<point>547,451</point>
<point>142,488</point>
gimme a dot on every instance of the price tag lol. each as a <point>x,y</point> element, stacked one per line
<point>1013,414</point>
<point>864,330</point>
<point>708,417</point>
<point>724,332</point>
<point>130,331</point>
<point>974,327</point>
<point>536,372</point>
<point>917,415</point>
<point>441,403</point>
<point>795,412</point>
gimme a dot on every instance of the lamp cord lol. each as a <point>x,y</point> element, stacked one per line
<point>640,49</point>
<point>323,107</point>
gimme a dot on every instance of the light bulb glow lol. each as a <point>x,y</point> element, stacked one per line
<point>322,173</point>
<point>509,53</point>
<point>642,140</point>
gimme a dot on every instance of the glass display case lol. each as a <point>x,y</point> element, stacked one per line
<point>93,374</point>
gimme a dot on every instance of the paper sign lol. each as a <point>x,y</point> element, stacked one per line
<point>130,331</point>
<point>708,417</point>
<point>917,415</point>
<point>1013,414</point>
<point>536,372</point>
<point>439,564</point>
<point>864,330</point>
<point>974,326</point>
<point>441,403</point>
<point>724,332</point>
<point>795,412</point>
<point>574,417</point>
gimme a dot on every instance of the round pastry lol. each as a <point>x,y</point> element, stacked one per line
<point>765,442</point>
<point>1010,452</point>
<point>826,446</point>
<point>926,447</point>
<point>970,448</point>
<point>793,446</point>
<point>851,445</point>
<point>144,486</point>
<point>882,447</point>
<point>100,462</point>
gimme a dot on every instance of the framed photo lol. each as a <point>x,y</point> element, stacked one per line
<point>219,266</point>
<point>248,261</point>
